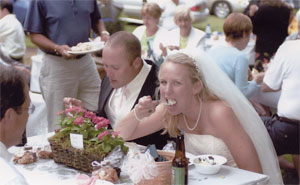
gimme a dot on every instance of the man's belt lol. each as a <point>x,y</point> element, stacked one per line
<point>77,56</point>
<point>286,120</point>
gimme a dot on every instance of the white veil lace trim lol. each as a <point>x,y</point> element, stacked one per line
<point>218,82</point>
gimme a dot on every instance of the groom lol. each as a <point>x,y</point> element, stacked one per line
<point>128,78</point>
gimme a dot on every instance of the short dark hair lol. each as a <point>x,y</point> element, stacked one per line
<point>6,4</point>
<point>12,86</point>
<point>128,41</point>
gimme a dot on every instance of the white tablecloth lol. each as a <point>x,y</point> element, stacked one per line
<point>48,172</point>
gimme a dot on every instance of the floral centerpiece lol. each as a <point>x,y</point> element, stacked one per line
<point>98,140</point>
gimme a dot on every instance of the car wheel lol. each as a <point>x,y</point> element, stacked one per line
<point>221,9</point>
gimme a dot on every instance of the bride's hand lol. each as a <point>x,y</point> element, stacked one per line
<point>145,107</point>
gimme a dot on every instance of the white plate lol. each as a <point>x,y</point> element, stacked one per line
<point>96,46</point>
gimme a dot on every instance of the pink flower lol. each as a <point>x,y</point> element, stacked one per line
<point>97,120</point>
<point>79,121</point>
<point>115,133</point>
<point>75,109</point>
<point>102,123</point>
<point>90,115</point>
<point>102,134</point>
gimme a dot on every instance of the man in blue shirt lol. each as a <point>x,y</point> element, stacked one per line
<point>56,26</point>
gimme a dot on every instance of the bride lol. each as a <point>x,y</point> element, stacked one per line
<point>200,100</point>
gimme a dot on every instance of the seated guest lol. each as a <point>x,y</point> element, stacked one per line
<point>12,36</point>
<point>128,77</point>
<point>185,36</point>
<point>199,100</point>
<point>150,34</point>
<point>230,58</point>
<point>14,106</point>
<point>295,35</point>
<point>283,74</point>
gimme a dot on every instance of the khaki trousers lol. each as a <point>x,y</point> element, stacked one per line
<point>59,78</point>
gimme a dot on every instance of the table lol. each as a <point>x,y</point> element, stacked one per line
<point>49,172</point>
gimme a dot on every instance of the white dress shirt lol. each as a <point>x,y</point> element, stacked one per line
<point>122,99</point>
<point>9,175</point>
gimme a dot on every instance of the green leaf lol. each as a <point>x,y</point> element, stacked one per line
<point>106,148</point>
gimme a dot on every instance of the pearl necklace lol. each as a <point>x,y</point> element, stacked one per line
<point>196,124</point>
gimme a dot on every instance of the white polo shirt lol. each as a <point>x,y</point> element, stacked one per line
<point>284,73</point>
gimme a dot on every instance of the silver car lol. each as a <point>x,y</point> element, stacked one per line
<point>222,8</point>
<point>131,10</point>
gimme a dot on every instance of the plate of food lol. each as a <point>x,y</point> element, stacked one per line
<point>208,164</point>
<point>86,47</point>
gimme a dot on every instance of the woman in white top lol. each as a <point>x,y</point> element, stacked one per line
<point>169,8</point>
<point>152,36</point>
<point>199,99</point>
<point>185,36</point>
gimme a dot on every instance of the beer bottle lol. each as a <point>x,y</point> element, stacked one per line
<point>180,163</point>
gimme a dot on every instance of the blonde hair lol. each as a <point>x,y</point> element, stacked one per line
<point>151,9</point>
<point>196,75</point>
<point>182,12</point>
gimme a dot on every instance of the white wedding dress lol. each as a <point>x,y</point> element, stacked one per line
<point>219,83</point>
<point>207,144</point>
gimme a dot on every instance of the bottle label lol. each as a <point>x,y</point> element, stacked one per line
<point>178,176</point>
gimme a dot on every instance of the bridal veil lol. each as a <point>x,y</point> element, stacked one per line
<point>218,82</point>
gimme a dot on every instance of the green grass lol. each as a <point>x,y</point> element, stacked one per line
<point>28,42</point>
<point>288,157</point>
<point>216,24</point>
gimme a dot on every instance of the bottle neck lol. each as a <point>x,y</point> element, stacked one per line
<point>180,149</point>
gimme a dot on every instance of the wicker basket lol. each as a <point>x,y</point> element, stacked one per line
<point>164,171</point>
<point>74,158</point>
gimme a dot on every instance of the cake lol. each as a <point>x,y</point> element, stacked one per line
<point>25,156</point>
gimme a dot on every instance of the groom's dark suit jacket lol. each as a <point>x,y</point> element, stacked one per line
<point>148,88</point>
